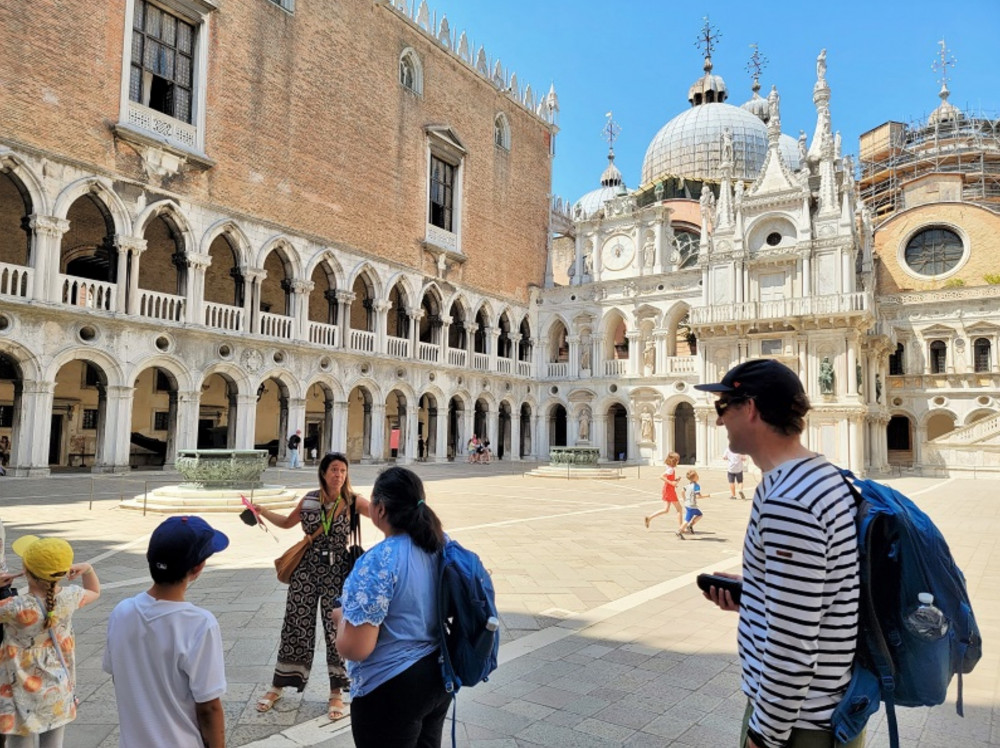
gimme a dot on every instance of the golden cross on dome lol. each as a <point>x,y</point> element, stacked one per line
<point>708,38</point>
<point>944,61</point>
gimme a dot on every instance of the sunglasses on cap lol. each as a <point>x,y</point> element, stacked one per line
<point>721,405</point>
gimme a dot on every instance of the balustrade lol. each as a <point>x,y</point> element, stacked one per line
<point>276,325</point>
<point>456,357</point>
<point>323,334</point>
<point>615,367</point>
<point>87,293</point>
<point>505,365</point>
<point>165,306</point>
<point>557,371</point>
<point>428,352</point>
<point>481,361</point>
<point>398,347</point>
<point>15,280</point>
<point>223,316</point>
<point>362,340</point>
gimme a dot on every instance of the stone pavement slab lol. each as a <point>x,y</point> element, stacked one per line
<point>605,639</point>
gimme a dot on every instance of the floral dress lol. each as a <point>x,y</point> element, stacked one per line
<point>317,581</point>
<point>36,691</point>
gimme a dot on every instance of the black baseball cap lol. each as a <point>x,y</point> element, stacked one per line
<point>768,381</point>
<point>181,543</point>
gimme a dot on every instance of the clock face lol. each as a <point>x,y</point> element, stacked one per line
<point>617,253</point>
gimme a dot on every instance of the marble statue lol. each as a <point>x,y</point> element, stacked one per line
<point>821,66</point>
<point>588,263</point>
<point>648,253</point>
<point>857,373</point>
<point>646,426</point>
<point>803,151</point>
<point>649,359</point>
<point>878,388</point>
<point>826,376</point>
<point>583,423</point>
<point>585,356</point>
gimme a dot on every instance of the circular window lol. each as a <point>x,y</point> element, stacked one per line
<point>4,322</point>
<point>939,401</point>
<point>554,390</point>
<point>613,388</point>
<point>225,351</point>
<point>431,376</point>
<point>325,363</point>
<point>364,368</point>
<point>162,343</point>
<point>773,239</point>
<point>572,298</point>
<point>983,400</point>
<point>934,251</point>
<point>87,333</point>
<point>278,357</point>
<point>400,373</point>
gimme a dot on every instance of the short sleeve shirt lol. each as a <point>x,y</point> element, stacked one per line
<point>393,586</point>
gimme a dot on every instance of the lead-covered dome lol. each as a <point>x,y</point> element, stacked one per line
<point>612,186</point>
<point>689,145</point>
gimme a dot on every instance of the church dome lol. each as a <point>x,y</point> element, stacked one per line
<point>612,186</point>
<point>789,147</point>
<point>688,146</point>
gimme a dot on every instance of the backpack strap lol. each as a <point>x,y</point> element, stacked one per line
<point>447,671</point>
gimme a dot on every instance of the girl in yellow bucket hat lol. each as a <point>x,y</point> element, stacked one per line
<point>37,663</point>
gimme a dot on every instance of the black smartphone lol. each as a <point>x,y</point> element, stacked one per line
<point>735,586</point>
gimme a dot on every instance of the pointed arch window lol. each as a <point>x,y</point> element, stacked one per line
<point>411,72</point>
<point>501,132</point>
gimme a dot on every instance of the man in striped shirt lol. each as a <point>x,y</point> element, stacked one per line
<point>799,606</point>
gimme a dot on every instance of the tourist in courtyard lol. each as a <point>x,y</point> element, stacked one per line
<point>669,492</point>
<point>799,607</point>
<point>317,581</point>
<point>474,448</point>
<point>38,664</point>
<point>735,465</point>
<point>692,514</point>
<point>165,654</point>
<point>294,442</point>
<point>388,626</point>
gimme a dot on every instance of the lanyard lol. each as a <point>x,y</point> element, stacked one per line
<point>326,519</point>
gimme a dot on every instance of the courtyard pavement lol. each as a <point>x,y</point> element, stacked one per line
<point>606,639</point>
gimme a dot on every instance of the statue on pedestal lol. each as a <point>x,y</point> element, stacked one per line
<point>826,376</point>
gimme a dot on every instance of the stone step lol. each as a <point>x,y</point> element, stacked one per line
<point>177,500</point>
<point>575,473</point>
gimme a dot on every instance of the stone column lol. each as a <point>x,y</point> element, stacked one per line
<point>381,324</point>
<point>186,425</point>
<point>338,425</point>
<point>599,435</point>
<point>492,340</point>
<point>127,293</point>
<point>46,241</point>
<point>634,354</point>
<point>470,343</point>
<point>704,422</point>
<point>493,429</point>
<point>514,453</point>
<point>194,300</point>
<point>116,431</point>
<point>669,435</point>
<point>294,418</point>
<point>30,450</point>
<point>852,371</point>
<point>251,299</point>
<point>300,308</point>
<point>434,441</point>
<point>344,299</point>
<point>376,447</point>
<point>442,341</point>
<point>856,435</point>
<point>573,369</point>
<point>415,314</point>
<point>408,435</point>
<point>245,421</point>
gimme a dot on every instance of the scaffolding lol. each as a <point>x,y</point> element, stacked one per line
<point>895,155</point>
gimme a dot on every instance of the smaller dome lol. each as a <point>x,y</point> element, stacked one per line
<point>709,88</point>
<point>946,111</point>
<point>789,147</point>
<point>612,186</point>
<point>757,106</point>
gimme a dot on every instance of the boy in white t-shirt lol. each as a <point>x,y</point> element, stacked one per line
<point>692,514</point>
<point>165,654</point>
<point>735,463</point>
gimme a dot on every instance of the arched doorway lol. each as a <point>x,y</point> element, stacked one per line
<point>154,419</point>
<point>480,420</point>
<point>217,412</point>
<point>618,433</point>
<point>503,431</point>
<point>394,446</point>
<point>525,430</point>
<point>684,433</point>
<point>359,424</point>
<point>271,426</point>
<point>79,404</point>
<point>899,440</point>
<point>456,437</point>
<point>427,415</point>
<point>318,435</point>
<point>557,426</point>
<point>11,387</point>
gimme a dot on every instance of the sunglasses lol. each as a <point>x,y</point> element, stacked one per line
<point>722,405</point>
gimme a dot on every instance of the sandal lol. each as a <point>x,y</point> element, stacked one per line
<point>265,702</point>
<point>335,708</point>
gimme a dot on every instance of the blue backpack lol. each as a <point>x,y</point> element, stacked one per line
<point>469,629</point>
<point>902,554</point>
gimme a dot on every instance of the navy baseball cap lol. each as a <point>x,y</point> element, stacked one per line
<point>181,543</point>
<point>764,379</point>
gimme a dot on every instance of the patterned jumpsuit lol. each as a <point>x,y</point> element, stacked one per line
<point>319,578</point>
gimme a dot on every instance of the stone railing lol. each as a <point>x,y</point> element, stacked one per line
<point>276,325</point>
<point>223,316</point>
<point>850,303</point>
<point>15,280</point>
<point>505,365</point>
<point>456,357</point>
<point>398,347</point>
<point>165,306</point>
<point>87,293</point>
<point>362,340</point>
<point>323,334</point>
<point>428,352</point>
<point>556,371</point>
<point>481,361</point>
<point>524,368</point>
<point>615,367</point>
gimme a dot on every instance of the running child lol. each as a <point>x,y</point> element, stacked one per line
<point>37,661</point>
<point>669,494</point>
<point>692,492</point>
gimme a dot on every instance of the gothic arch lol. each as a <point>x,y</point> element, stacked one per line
<point>236,237</point>
<point>110,367</point>
<point>19,170</point>
<point>330,264</point>
<point>231,372</point>
<point>101,190</point>
<point>28,363</point>
<point>287,252</point>
<point>173,211</point>
<point>183,376</point>
<point>371,278</point>
<point>286,379</point>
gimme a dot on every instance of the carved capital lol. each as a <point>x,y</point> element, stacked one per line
<point>302,286</point>
<point>345,297</point>
<point>48,226</point>
<point>134,244</point>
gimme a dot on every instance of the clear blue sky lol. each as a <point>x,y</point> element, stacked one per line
<point>637,58</point>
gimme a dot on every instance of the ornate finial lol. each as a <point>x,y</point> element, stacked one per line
<point>707,40</point>
<point>944,61</point>
<point>756,66</point>
<point>610,133</point>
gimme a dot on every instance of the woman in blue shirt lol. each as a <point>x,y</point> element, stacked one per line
<point>387,627</point>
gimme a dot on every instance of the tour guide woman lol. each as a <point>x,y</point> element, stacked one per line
<point>388,624</point>
<point>319,578</point>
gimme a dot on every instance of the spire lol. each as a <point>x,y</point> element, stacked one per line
<point>724,211</point>
<point>821,98</point>
<point>708,89</point>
